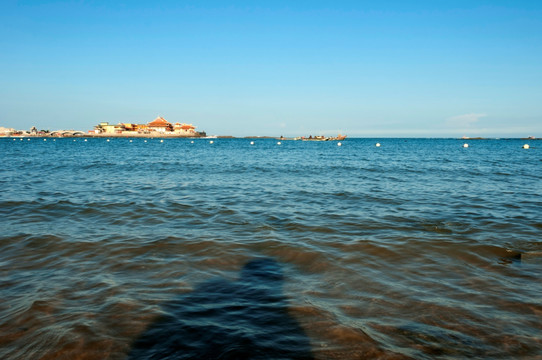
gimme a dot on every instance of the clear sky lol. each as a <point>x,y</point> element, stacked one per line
<point>304,67</point>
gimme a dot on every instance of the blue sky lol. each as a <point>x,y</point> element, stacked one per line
<point>364,68</point>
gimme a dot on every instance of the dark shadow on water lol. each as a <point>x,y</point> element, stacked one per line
<point>243,319</point>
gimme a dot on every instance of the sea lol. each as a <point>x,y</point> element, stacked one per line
<point>270,249</point>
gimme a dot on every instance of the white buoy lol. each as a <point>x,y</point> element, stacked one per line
<point>377,145</point>
<point>44,139</point>
<point>279,143</point>
<point>28,139</point>
<point>252,143</point>
<point>130,140</point>
<point>107,140</point>
<point>526,146</point>
<point>144,140</point>
<point>211,142</point>
<point>191,142</point>
<point>339,144</point>
<point>465,145</point>
<point>161,141</point>
<point>85,140</point>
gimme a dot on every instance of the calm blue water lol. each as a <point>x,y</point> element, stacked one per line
<point>418,249</point>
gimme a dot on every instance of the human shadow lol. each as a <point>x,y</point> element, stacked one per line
<point>243,319</point>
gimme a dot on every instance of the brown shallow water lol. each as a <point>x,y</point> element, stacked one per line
<point>418,249</point>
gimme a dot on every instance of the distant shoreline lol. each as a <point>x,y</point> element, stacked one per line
<point>150,135</point>
<point>125,136</point>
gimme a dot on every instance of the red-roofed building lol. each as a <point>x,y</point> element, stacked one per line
<point>160,124</point>
<point>185,129</point>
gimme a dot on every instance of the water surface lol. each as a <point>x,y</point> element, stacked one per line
<point>417,249</point>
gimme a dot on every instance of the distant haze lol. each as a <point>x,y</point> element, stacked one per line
<point>391,68</point>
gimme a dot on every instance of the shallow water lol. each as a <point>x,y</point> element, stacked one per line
<point>418,249</point>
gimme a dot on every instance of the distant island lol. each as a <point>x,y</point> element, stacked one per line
<point>159,127</point>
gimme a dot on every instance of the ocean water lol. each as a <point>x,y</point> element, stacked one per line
<point>418,249</point>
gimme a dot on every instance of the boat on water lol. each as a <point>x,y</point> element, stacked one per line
<point>314,138</point>
<point>323,138</point>
<point>282,138</point>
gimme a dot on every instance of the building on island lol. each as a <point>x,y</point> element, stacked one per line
<point>157,127</point>
<point>185,129</point>
<point>7,131</point>
<point>104,127</point>
<point>160,125</point>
